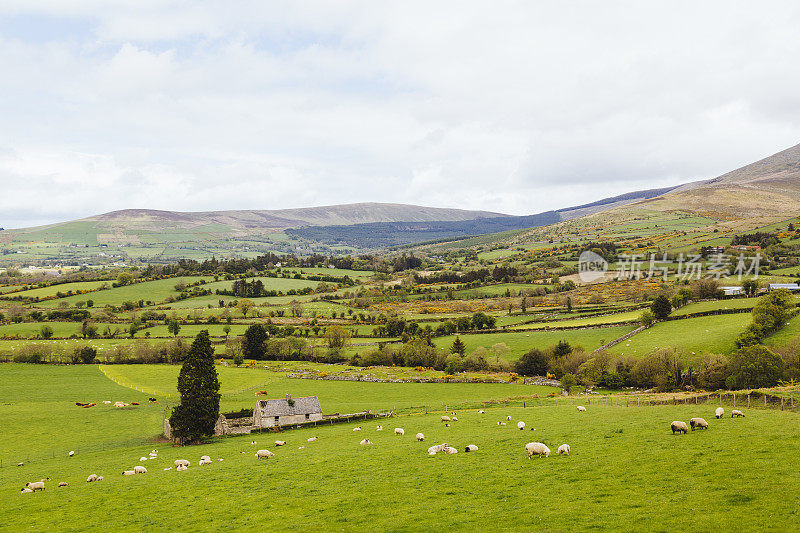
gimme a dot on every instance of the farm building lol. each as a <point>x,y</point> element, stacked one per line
<point>732,291</point>
<point>285,411</point>
<point>793,287</point>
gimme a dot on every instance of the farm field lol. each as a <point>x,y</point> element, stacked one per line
<point>52,290</point>
<point>712,334</point>
<point>519,343</point>
<point>155,291</point>
<point>593,488</point>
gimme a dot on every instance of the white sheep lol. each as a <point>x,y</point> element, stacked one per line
<point>142,459</point>
<point>454,419</point>
<point>450,450</point>
<point>25,490</point>
<point>420,437</point>
<point>181,468</point>
<point>399,431</point>
<point>679,426</point>
<point>204,462</point>
<point>182,462</point>
<point>357,429</point>
<point>379,428</point>
<point>581,409</point>
<point>445,418</point>
<point>520,425</point>
<point>433,450</point>
<point>128,473</point>
<point>280,443</point>
<point>508,417</point>
<point>99,478</point>
<point>106,401</point>
<point>481,412</point>
<point>538,449</point>
<point>471,448</point>
<point>264,453</point>
<point>719,412</point>
<point>365,442</point>
<point>63,484</point>
<point>737,413</point>
<point>501,423</point>
<point>139,469</point>
<point>36,485</point>
<point>205,458</point>
<point>91,478</point>
<point>71,453</point>
<point>312,439</point>
<point>698,423</point>
<point>563,449</point>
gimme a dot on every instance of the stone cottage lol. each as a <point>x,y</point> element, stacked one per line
<point>286,411</point>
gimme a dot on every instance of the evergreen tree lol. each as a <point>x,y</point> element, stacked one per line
<point>253,344</point>
<point>198,385</point>
<point>661,307</point>
<point>533,363</point>
<point>458,347</point>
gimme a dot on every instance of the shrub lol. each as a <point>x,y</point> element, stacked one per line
<point>533,363</point>
<point>755,367</point>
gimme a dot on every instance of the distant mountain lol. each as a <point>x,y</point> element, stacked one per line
<point>278,219</point>
<point>769,187</point>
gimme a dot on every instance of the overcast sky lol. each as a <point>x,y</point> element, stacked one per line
<point>516,107</point>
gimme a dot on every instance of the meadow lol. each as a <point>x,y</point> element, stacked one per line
<point>626,470</point>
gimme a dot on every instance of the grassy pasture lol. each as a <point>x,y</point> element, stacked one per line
<point>155,291</point>
<point>519,343</point>
<point>715,334</point>
<point>45,292</point>
<point>626,472</point>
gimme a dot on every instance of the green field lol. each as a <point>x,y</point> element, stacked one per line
<point>712,334</point>
<point>519,343</point>
<point>736,475</point>
<point>155,291</point>
<point>46,292</point>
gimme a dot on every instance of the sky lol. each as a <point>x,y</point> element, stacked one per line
<point>505,106</point>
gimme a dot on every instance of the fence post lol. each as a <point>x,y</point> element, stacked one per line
<point>765,400</point>
<point>734,399</point>
<point>748,400</point>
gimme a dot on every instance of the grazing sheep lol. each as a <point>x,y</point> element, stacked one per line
<point>508,417</point>
<point>264,453</point>
<point>181,468</point>
<point>140,469</point>
<point>20,464</point>
<point>481,412</point>
<point>501,423</point>
<point>399,431</point>
<point>737,413</point>
<point>538,449</point>
<point>99,478</point>
<point>365,442</point>
<point>63,484</point>
<point>445,418</point>
<point>91,478</point>
<point>450,450</point>
<point>204,462</point>
<point>433,450</point>
<point>471,448</point>
<point>719,412</point>
<point>420,437</point>
<point>357,429</point>
<point>253,442</point>
<point>106,401</point>
<point>280,443</point>
<point>71,453</point>
<point>581,409</point>
<point>563,449</point>
<point>698,423</point>
<point>25,490</point>
<point>205,458</point>
<point>379,428</point>
<point>679,426</point>
<point>128,473</point>
<point>452,413</point>
<point>312,439</point>
<point>454,419</point>
<point>182,462</point>
<point>520,425</point>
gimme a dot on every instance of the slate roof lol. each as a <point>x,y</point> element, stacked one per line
<point>302,406</point>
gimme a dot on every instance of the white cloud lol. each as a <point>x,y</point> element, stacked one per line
<point>515,107</point>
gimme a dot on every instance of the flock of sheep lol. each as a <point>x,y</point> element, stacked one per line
<point>538,449</point>
<point>679,426</point>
